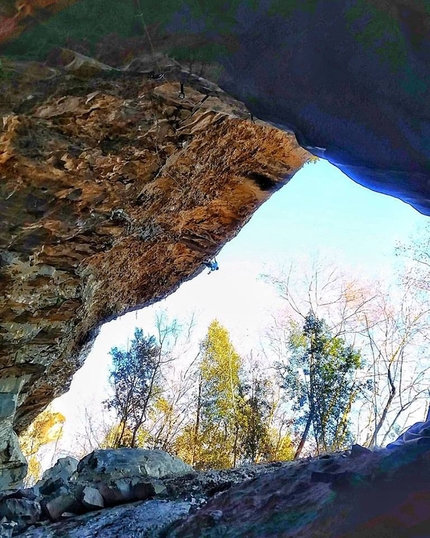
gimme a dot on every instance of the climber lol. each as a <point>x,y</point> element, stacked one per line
<point>212,265</point>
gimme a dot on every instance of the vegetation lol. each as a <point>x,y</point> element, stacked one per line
<point>134,377</point>
<point>46,429</point>
<point>318,376</point>
<point>343,361</point>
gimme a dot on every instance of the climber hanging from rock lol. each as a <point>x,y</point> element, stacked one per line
<point>212,265</point>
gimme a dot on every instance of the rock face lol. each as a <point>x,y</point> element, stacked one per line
<point>115,189</point>
<point>128,462</point>
<point>350,77</point>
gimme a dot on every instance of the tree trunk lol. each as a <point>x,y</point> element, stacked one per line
<point>386,409</point>
<point>197,424</point>
<point>121,435</point>
<point>304,436</point>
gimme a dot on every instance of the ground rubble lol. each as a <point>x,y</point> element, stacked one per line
<point>140,493</point>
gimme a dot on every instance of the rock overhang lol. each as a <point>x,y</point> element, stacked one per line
<point>115,190</point>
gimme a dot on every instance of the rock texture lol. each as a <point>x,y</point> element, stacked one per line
<point>109,464</point>
<point>350,77</point>
<point>115,189</point>
<point>352,494</point>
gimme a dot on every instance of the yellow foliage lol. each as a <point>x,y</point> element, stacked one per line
<point>46,428</point>
<point>114,434</point>
<point>280,448</point>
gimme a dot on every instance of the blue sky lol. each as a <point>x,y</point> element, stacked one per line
<point>319,210</point>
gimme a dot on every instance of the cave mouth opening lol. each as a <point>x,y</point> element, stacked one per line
<point>319,219</point>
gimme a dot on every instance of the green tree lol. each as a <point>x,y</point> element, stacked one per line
<point>134,378</point>
<point>319,378</point>
<point>256,411</point>
<point>219,401</point>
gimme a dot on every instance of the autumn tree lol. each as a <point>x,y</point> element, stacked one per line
<point>46,428</point>
<point>388,325</point>
<point>217,423</point>
<point>318,375</point>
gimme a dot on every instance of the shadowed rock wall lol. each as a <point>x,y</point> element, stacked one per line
<point>350,77</point>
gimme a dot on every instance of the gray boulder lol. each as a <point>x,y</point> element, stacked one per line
<point>150,519</point>
<point>62,500</point>
<point>92,498</point>
<point>64,468</point>
<point>23,512</point>
<point>110,465</point>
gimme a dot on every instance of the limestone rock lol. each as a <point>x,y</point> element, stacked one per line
<point>7,528</point>
<point>116,492</point>
<point>92,499</point>
<point>150,519</point>
<point>62,500</point>
<point>120,463</point>
<point>63,468</point>
<point>50,486</point>
<point>358,450</point>
<point>23,511</point>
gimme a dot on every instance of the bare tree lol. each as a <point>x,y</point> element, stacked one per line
<point>395,347</point>
<point>388,326</point>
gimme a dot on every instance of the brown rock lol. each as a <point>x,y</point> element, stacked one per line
<point>109,202</point>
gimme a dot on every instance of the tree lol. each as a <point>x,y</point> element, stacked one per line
<point>255,410</point>
<point>416,256</point>
<point>219,412</point>
<point>388,325</point>
<point>319,377</point>
<point>150,400</point>
<point>134,377</point>
<point>396,349</point>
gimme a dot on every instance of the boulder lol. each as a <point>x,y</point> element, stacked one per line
<point>57,476</point>
<point>64,468</point>
<point>110,465</point>
<point>125,490</point>
<point>358,450</point>
<point>63,500</point>
<point>50,486</point>
<point>22,511</point>
<point>7,528</point>
<point>115,492</point>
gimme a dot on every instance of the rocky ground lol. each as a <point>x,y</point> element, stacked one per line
<point>138,493</point>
